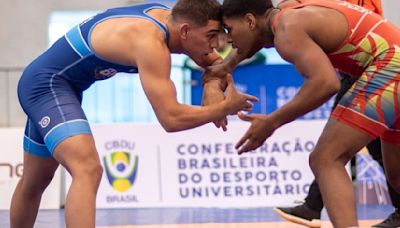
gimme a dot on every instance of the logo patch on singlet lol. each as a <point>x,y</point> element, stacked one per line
<point>101,73</point>
<point>44,122</point>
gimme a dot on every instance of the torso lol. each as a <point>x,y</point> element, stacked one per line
<point>355,36</point>
<point>317,17</point>
<point>78,61</point>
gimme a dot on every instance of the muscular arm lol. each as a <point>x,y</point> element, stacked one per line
<point>152,57</point>
<point>295,45</point>
<point>214,82</point>
<point>161,92</point>
<point>154,70</point>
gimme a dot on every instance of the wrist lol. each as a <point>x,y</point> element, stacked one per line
<point>276,120</point>
<point>226,108</point>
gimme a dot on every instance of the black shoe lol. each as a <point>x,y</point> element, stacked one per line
<point>392,221</point>
<point>301,215</point>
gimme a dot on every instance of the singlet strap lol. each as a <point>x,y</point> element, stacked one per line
<point>282,10</point>
<point>156,22</point>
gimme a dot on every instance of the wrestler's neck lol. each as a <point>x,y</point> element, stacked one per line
<point>267,32</point>
<point>174,42</point>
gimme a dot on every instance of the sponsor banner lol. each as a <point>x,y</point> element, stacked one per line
<point>130,159</point>
<point>131,166</point>
<point>11,169</point>
<point>146,167</point>
<point>201,167</point>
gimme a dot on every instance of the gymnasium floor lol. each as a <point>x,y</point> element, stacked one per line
<point>194,218</point>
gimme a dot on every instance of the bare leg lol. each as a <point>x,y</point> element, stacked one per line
<point>79,156</point>
<point>37,175</point>
<point>336,146</point>
<point>391,161</point>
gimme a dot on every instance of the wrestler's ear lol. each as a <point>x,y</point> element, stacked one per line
<point>184,29</point>
<point>250,20</point>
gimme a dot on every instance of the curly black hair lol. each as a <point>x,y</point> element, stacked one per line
<point>237,8</point>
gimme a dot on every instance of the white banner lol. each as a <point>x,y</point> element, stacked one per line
<point>129,154</point>
<point>146,167</point>
<point>201,167</point>
<point>11,168</point>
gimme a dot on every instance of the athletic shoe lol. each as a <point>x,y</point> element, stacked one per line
<point>301,215</point>
<point>392,221</point>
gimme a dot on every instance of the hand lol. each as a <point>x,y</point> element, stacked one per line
<point>217,71</point>
<point>213,94</point>
<point>262,126</point>
<point>235,100</point>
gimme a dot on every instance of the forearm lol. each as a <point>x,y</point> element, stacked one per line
<point>211,84</point>
<point>232,60</point>
<point>183,117</point>
<point>311,95</point>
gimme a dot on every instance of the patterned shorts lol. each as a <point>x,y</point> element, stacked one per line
<point>372,104</point>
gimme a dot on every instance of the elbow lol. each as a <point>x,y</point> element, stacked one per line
<point>170,125</point>
<point>170,118</point>
<point>333,87</point>
<point>170,129</point>
<point>328,87</point>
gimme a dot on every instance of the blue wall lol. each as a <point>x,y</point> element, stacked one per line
<point>274,85</point>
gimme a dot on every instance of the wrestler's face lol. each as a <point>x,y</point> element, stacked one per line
<point>199,41</point>
<point>243,34</point>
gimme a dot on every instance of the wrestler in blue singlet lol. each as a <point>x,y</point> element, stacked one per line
<point>50,89</point>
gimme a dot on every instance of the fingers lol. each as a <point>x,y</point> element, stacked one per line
<point>245,117</point>
<point>247,143</point>
<point>251,98</point>
<point>229,79</point>
<point>248,146</point>
<point>222,123</point>
<point>224,127</point>
<point>242,140</point>
<point>248,107</point>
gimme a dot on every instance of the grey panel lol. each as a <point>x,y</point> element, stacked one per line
<point>3,99</point>
<point>391,11</point>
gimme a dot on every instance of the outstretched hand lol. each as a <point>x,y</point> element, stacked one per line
<point>260,129</point>
<point>236,100</point>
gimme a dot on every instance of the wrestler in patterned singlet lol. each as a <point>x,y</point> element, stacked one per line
<point>371,53</point>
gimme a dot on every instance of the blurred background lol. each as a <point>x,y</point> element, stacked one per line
<point>29,27</point>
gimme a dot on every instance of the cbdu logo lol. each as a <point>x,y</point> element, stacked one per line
<point>121,170</point>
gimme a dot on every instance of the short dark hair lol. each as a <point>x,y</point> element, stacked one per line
<point>237,8</point>
<point>197,11</point>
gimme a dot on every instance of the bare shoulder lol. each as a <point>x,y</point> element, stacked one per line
<point>294,18</point>
<point>121,40</point>
<point>289,25</point>
<point>144,33</point>
<point>326,27</point>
